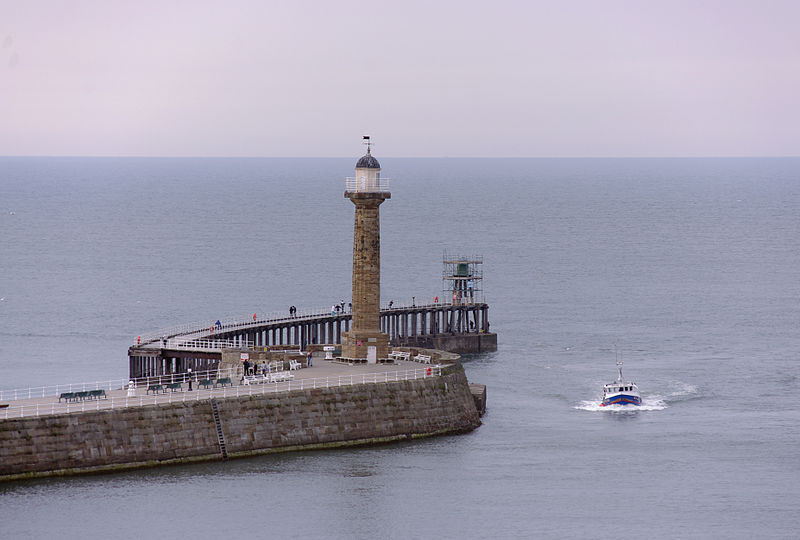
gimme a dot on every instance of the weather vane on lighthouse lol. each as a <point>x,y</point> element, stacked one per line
<point>367,142</point>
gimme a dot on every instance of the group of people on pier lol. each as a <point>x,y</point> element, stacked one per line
<point>339,308</point>
<point>255,368</point>
<point>264,368</point>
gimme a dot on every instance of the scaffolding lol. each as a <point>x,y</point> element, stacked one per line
<point>462,278</point>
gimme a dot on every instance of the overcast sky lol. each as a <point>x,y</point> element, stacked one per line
<point>456,78</point>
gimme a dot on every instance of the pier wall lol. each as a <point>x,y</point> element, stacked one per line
<point>183,432</point>
<point>458,343</point>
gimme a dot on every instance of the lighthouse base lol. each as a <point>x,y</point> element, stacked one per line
<point>360,344</point>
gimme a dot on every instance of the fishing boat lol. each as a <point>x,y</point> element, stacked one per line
<point>621,392</point>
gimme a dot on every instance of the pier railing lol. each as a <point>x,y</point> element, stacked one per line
<point>40,408</point>
<point>206,329</point>
<point>55,390</point>
<point>206,344</point>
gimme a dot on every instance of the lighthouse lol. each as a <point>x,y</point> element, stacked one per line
<point>367,190</point>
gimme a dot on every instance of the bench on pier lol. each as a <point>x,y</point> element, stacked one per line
<point>175,386</point>
<point>280,376</point>
<point>399,355</point>
<point>67,396</point>
<point>155,388</point>
<point>223,381</point>
<point>206,383</point>
<point>255,379</point>
<point>83,394</point>
<point>97,394</point>
<point>423,358</point>
<point>294,365</point>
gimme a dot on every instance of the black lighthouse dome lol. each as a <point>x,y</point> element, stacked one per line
<point>368,162</point>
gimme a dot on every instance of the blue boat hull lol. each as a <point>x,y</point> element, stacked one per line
<point>622,399</point>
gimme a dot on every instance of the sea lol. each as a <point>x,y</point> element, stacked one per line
<point>686,269</point>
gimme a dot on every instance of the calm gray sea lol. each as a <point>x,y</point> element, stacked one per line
<point>689,267</point>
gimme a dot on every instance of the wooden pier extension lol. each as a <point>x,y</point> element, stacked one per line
<point>459,328</point>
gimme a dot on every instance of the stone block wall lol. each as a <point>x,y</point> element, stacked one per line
<point>106,438</point>
<point>366,298</point>
<point>184,432</point>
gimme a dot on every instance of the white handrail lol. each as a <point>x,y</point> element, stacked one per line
<point>366,185</point>
<point>114,402</point>
<point>203,329</point>
<point>16,394</point>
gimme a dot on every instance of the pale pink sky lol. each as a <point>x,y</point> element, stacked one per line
<point>428,78</point>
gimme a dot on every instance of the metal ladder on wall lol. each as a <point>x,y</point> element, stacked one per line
<point>218,423</point>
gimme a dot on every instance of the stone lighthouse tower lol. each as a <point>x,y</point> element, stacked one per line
<point>367,191</point>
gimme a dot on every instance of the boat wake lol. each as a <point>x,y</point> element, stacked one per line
<point>648,404</point>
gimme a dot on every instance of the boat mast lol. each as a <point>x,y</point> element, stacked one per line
<point>619,362</point>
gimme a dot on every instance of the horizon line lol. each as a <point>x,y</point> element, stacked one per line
<point>101,156</point>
